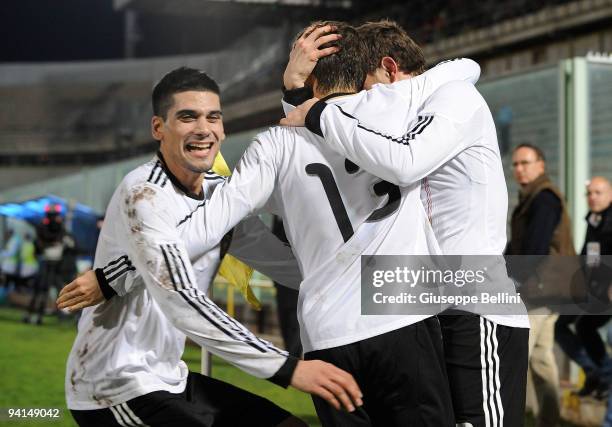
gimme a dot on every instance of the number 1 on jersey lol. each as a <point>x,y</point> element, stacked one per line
<point>333,195</point>
<point>381,188</point>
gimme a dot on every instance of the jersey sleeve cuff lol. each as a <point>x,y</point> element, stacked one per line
<point>313,118</point>
<point>282,377</point>
<point>297,96</point>
<point>105,288</point>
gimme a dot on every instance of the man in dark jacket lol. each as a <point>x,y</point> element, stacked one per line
<point>540,226</point>
<point>599,219</point>
<point>586,347</point>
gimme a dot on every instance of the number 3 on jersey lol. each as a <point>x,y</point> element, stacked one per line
<point>330,187</point>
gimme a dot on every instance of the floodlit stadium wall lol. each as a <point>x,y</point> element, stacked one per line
<point>82,112</point>
<point>526,108</point>
<point>565,109</point>
<point>94,186</point>
<point>600,116</point>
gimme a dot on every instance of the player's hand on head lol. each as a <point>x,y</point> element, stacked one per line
<point>306,52</point>
<point>84,291</point>
<point>325,380</point>
<point>297,117</point>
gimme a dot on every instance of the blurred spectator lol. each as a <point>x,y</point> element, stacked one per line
<point>598,242</point>
<point>28,262</point>
<point>10,258</point>
<point>540,226</point>
<point>286,304</point>
<point>57,261</point>
<point>599,219</point>
<point>586,347</point>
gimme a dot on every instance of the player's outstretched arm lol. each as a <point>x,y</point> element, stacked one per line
<point>160,257</point>
<point>414,91</point>
<point>417,89</point>
<point>436,136</point>
<point>253,243</point>
<point>247,192</point>
<point>325,380</point>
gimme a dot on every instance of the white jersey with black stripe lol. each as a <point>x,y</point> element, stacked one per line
<point>333,213</point>
<point>149,248</point>
<point>448,143</point>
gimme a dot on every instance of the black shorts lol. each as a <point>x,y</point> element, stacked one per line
<point>205,402</point>
<point>487,370</point>
<point>401,374</point>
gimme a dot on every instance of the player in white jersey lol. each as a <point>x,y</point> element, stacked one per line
<point>329,315</point>
<point>125,368</point>
<point>333,213</point>
<point>451,147</point>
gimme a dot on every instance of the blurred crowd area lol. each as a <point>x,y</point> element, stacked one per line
<point>431,21</point>
<point>87,111</point>
<point>40,255</point>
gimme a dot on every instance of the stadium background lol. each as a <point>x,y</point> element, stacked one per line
<point>75,79</point>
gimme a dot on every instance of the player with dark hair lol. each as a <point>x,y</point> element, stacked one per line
<point>125,366</point>
<point>441,137</point>
<point>338,317</point>
<point>333,213</point>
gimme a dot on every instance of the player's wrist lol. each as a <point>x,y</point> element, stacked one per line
<point>297,96</point>
<point>105,288</point>
<point>284,376</point>
<point>292,83</point>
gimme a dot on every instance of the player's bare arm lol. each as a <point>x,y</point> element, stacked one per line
<point>306,52</point>
<point>314,377</point>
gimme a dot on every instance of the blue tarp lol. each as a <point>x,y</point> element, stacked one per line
<point>84,218</point>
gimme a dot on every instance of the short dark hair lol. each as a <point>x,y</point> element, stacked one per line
<point>537,150</point>
<point>387,38</point>
<point>182,79</point>
<point>345,68</point>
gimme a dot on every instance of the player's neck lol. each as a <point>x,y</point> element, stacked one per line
<point>191,182</point>
<point>324,94</point>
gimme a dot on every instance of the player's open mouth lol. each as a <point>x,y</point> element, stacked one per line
<point>200,146</point>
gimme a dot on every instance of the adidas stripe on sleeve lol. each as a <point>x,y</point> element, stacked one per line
<point>159,254</point>
<point>112,276</point>
<point>436,136</point>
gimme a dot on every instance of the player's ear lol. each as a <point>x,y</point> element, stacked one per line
<point>157,127</point>
<point>390,66</point>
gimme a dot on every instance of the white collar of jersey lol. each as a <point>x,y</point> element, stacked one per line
<point>175,181</point>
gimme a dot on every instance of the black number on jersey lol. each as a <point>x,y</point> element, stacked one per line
<point>333,195</point>
<point>393,191</point>
<point>332,192</point>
